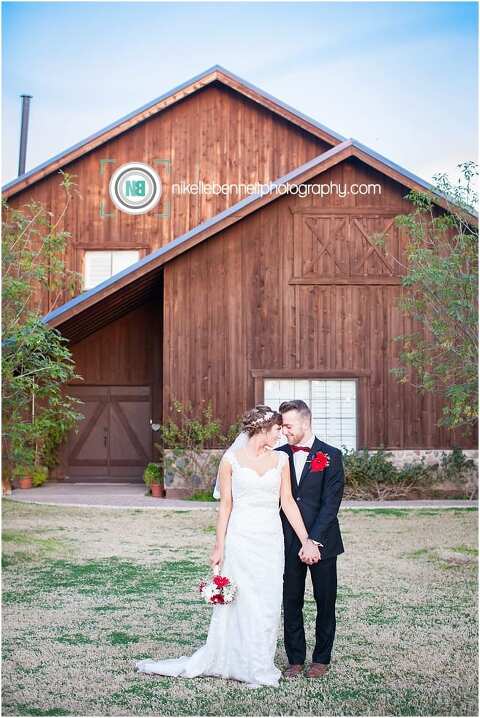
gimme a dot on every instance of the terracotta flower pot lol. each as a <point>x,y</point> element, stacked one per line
<point>157,490</point>
<point>25,482</point>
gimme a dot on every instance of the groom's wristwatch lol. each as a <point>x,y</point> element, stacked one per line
<point>317,543</point>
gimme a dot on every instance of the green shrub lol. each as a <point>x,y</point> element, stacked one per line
<point>363,468</point>
<point>455,463</point>
<point>190,432</point>
<point>39,475</point>
<point>202,496</point>
<point>418,472</point>
<point>373,476</point>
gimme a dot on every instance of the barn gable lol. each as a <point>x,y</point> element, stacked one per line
<point>214,75</point>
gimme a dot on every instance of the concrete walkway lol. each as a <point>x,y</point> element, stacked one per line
<point>128,496</point>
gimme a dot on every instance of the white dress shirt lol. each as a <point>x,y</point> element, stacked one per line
<point>300,457</point>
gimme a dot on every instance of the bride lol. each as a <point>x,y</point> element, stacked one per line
<point>252,481</point>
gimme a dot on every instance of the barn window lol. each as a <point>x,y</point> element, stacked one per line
<point>333,404</point>
<point>102,264</point>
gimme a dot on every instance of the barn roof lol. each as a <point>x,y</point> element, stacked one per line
<point>130,287</point>
<point>212,75</point>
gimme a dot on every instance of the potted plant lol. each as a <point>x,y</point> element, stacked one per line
<point>152,477</point>
<point>23,465</point>
<point>24,474</point>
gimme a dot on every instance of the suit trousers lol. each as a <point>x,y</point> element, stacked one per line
<point>324,581</point>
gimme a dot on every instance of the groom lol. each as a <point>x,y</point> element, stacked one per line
<point>318,490</point>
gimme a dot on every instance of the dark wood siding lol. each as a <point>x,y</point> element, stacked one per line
<point>297,290</point>
<point>215,135</point>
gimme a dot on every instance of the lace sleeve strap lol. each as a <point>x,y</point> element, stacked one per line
<point>216,490</point>
<point>283,459</point>
<point>228,455</point>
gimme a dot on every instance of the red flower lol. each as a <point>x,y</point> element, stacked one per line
<point>320,461</point>
<point>221,581</point>
<point>217,598</point>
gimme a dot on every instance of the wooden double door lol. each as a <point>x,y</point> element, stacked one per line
<point>114,440</point>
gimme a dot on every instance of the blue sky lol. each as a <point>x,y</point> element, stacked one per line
<point>399,77</point>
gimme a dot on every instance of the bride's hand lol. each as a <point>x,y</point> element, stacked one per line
<point>216,556</point>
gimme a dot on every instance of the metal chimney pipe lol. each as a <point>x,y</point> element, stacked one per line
<point>24,133</point>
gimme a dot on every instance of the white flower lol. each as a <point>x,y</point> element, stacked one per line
<point>229,593</point>
<point>209,591</point>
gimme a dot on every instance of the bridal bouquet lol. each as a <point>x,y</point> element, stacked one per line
<point>219,589</point>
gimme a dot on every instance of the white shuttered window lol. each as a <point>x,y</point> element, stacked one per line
<point>333,403</point>
<point>102,264</point>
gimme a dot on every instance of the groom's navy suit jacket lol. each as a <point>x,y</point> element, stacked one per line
<point>318,495</point>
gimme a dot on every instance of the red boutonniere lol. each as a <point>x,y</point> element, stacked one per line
<point>320,461</point>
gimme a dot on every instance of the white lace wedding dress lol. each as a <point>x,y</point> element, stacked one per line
<point>242,636</point>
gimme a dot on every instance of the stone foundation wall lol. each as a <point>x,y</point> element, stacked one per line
<point>203,468</point>
<point>400,457</point>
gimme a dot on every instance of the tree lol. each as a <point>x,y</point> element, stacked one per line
<point>441,284</point>
<point>36,415</point>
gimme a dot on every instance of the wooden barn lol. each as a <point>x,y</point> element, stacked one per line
<point>237,297</point>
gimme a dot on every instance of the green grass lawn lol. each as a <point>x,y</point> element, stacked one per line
<point>87,592</point>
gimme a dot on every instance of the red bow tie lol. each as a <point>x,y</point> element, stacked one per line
<point>301,448</point>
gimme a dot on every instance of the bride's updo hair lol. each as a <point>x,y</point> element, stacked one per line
<point>259,418</point>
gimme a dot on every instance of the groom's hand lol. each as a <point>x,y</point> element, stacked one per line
<point>309,553</point>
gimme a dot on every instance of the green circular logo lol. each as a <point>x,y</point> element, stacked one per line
<point>135,188</point>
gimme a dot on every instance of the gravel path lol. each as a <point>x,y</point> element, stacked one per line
<point>128,496</point>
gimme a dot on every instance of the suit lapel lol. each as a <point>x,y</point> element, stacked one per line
<point>293,476</point>
<point>311,454</point>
